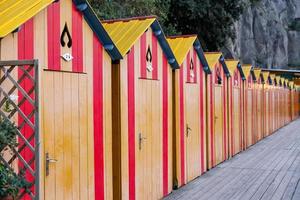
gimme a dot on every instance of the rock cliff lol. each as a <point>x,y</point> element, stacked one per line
<point>268,34</point>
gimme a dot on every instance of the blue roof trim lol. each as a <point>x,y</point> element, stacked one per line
<point>225,68</point>
<point>95,24</point>
<point>164,44</point>
<point>241,71</point>
<point>200,53</point>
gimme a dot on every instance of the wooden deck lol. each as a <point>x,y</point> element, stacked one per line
<point>269,169</point>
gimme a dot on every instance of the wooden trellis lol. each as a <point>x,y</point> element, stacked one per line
<point>19,87</point>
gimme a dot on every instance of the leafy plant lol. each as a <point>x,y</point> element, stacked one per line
<point>8,133</point>
<point>10,182</point>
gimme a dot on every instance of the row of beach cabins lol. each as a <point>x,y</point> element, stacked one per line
<point>126,112</point>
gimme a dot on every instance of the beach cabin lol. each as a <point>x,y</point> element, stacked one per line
<point>217,134</point>
<point>249,116</point>
<point>142,109</point>
<point>190,113</point>
<point>55,61</point>
<point>272,86</point>
<point>266,103</point>
<point>235,106</point>
<point>258,108</point>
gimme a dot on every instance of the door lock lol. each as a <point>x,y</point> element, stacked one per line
<point>141,138</point>
<point>188,129</point>
<point>48,161</point>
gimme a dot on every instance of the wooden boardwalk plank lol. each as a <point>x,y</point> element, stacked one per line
<point>269,169</point>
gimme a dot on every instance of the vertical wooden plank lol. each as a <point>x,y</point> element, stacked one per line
<point>58,107</point>
<point>75,143</point>
<point>40,51</point>
<point>67,137</point>
<point>77,34</point>
<point>88,62</point>
<point>66,19</point>
<point>83,136</point>
<point>107,99</point>
<point>49,130</point>
<point>53,36</point>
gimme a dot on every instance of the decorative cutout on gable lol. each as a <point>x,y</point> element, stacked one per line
<point>65,33</point>
<point>192,75</point>
<point>236,78</point>
<point>218,75</point>
<point>149,59</point>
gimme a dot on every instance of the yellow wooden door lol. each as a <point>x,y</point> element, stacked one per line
<point>236,119</point>
<point>259,114</point>
<point>218,124</point>
<point>192,131</point>
<point>249,108</point>
<point>65,135</point>
<point>267,113</point>
<point>148,140</point>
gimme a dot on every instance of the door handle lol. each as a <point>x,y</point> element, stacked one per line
<point>48,161</point>
<point>188,129</point>
<point>141,138</point>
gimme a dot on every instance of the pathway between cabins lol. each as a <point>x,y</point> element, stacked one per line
<point>269,169</point>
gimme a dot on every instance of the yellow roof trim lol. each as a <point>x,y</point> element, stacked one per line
<point>272,76</point>
<point>247,70</point>
<point>282,80</point>
<point>231,65</point>
<point>125,33</point>
<point>15,13</point>
<point>278,79</point>
<point>181,46</point>
<point>212,58</point>
<point>257,73</point>
<point>265,75</point>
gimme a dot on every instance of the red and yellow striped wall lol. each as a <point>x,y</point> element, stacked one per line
<point>75,100</point>
<point>235,107</point>
<point>217,143</point>
<point>144,169</point>
<point>189,114</point>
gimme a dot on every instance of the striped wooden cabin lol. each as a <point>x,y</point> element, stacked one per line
<point>287,93</point>
<point>189,113</point>
<point>258,106</point>
<point>235,106</point>
<point>142,109</point>
<point>266,103</point>
<point>272,87</point>
<point>74,54</point>
<point>278,101</point>
<point>249,116</point>
<point>217,136</point>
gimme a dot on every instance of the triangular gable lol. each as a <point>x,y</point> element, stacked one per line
<point>212,58</point>
<point>232,65</point>
<point>257,73</point>
<point>181,45</point>
<point>265,75</point>
<point>278,79</point>
<point>126,32</point>
<point>247,70</point>
<point>15,13</point>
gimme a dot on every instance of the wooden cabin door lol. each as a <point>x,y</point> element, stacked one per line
<point>266,114</point>
<point>148,140</point>
<point>65,128</point>
<point>218,124</point>
<point>192,131</point>
<point>236,120</point>
<point>259,114</point>
<point>249,114</point>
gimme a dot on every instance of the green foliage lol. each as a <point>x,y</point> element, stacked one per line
<point>10,182</point>
<point>295,25</point>
<point>8,133</point>
<point>212,20</point>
